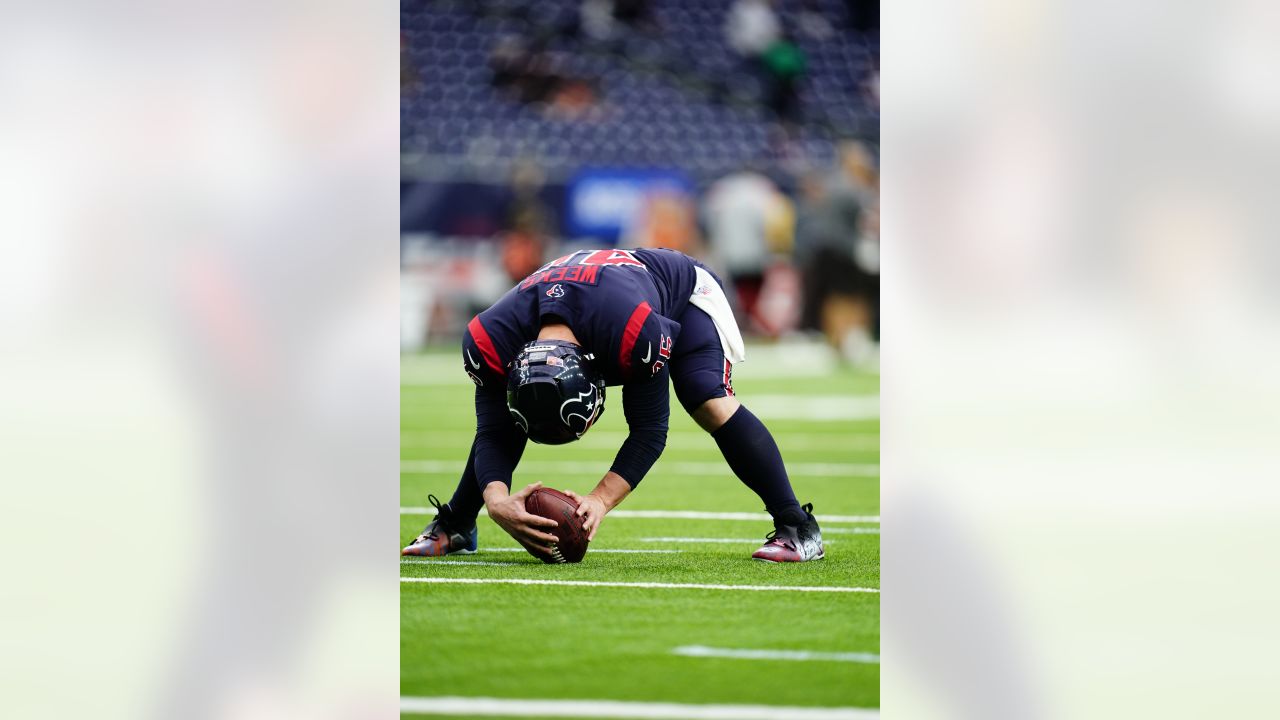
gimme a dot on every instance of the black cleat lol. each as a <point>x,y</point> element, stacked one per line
<point>441,538</point>
<point>793,543</point>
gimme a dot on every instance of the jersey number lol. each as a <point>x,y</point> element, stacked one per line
<point>665,344</point>
<point>594,257</point>
<point>611,257</point>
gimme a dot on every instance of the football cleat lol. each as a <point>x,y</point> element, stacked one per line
<point>441,537</point>
<point>793,543</point>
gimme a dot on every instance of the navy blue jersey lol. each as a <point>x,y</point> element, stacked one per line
<point>623,306</point>
<point>620,305</point>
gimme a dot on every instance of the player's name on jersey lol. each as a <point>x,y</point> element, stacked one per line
<point>584,274</point>
<point>582,266</point>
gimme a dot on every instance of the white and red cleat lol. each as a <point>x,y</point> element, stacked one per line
<point>793,543</point>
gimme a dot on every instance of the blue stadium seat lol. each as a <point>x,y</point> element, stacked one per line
<point>660,84</point>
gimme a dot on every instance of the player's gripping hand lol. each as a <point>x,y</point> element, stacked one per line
<point>592,511</point>
<point>510,514</point>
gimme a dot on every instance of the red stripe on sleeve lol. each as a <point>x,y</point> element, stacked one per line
<point>487,350</point>
<point>631,334</point>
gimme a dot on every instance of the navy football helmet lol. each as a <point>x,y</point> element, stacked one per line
<point>553,391</point>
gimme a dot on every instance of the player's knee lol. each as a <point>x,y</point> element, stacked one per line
<point>715,412</point>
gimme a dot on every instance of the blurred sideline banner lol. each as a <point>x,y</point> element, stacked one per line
<point>603,203</point>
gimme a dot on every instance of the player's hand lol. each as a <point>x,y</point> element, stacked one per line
<point>592,511</point>
<point>510,514</point>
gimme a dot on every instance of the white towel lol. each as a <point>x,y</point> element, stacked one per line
<point>709,297</point>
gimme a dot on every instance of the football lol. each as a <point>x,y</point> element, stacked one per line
<point>557,506</point>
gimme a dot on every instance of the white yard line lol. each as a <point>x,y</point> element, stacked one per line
<point>711,540</point>
<point>815,407</point>
<point>812,408</point>
<point>678,467</point>
<point>703,515</point>
<point>651,585</point>
<point>794,655</point>
<point>850,531</point>
<point>677,440</point>
<point>506,707</point>
<point>451,561</point>
<point>593,552</point>
<point>442,561</point>
<point>688,515</point>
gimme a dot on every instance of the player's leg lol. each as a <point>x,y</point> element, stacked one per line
<point>752,454</point>
<point>453,530</point>
<point>703,382</point>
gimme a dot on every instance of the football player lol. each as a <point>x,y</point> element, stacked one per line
<point>541,358</point>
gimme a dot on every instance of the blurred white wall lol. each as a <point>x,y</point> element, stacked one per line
<point>1079,359</point>
<point>198,363</point>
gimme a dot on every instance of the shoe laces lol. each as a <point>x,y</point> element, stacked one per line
<point>773,539</point>
<point>432,532</point>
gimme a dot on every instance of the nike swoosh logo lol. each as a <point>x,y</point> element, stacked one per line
<point>471,360</point>
<point>648,352</point>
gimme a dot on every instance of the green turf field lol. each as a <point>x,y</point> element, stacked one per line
<point>585,642</point>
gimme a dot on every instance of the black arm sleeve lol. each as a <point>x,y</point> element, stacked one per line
<point>647,406</point>
<point>499,443</point>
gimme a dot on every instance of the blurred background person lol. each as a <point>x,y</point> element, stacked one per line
<point>741,210</point>
<point>530,223</point>
<point>837,247</point>
<point>769,54</point>
<point>784,67</point>
<point>752,27</point>
<point>667,220</point>
<point>597,18</point>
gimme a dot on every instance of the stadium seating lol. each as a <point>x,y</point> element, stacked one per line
<point>673,94</point>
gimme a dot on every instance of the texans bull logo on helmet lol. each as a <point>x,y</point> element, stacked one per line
<point>580,413</point>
